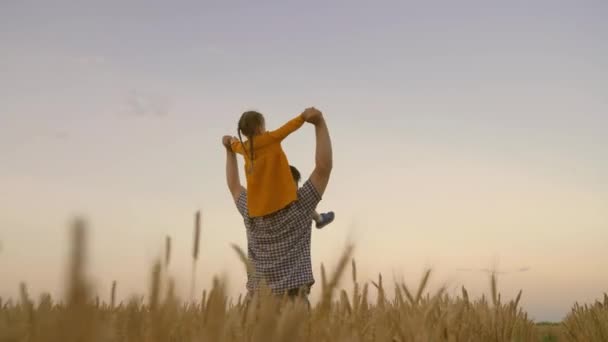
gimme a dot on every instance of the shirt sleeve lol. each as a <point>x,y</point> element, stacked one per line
<point>288,128</point>
<point>308,197</point>
<point>241,204</point>
<point>237,147</point>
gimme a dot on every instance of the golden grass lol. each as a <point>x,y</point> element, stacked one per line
<point>588,322</point>
<point>409,316</point>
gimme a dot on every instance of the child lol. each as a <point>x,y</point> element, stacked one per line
<point>270,185</point>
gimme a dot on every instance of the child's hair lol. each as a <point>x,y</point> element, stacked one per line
<point>295,174</point>
<point>249,124</point>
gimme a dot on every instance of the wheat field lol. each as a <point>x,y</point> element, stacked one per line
<point>413,314</point>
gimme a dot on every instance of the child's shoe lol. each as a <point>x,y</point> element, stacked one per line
<point>326,218</point>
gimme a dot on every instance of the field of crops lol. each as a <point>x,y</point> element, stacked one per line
<point>413,314</point>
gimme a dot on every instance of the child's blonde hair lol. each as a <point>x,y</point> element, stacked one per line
<point>250,124</point>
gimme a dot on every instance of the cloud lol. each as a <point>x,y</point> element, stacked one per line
<point>51,135</point>
<point>61,135</point>
<point>216,50</point>
<point>91,60</point>
<point>137,103</point>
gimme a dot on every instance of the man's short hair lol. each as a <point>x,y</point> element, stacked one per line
<point>295,173</point>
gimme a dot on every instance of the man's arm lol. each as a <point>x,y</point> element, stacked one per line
<point>323,154</point>
<point>232,171</point>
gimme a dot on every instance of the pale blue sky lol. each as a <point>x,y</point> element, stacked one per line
<point>467,134</point>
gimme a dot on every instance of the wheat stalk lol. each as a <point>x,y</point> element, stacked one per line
<point>195,251</point>
<point>167,251</point>
<point>113,295</point>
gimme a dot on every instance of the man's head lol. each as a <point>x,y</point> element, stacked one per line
<point>295,174</point>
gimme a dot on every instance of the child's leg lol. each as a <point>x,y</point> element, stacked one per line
<point>316,217</point>
<point>322,220</point>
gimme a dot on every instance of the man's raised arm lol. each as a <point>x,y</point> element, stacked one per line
<point>232,170</point>
<point>323,154</point>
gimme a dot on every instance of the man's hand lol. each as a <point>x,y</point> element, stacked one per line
<point>227,140</point>
<point>312,115</point>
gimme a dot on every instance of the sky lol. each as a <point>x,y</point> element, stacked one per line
<point>467,136</point>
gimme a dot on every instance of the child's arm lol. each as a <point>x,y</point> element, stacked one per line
<point>288,128</point>
<point>236,146</point>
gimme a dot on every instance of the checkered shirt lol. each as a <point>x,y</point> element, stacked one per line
<point>278,244</point>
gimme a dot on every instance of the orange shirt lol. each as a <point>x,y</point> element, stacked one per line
<point>270,185</point>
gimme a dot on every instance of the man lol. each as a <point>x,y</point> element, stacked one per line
<point>278,245</point>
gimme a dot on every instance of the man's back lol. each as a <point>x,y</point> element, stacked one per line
<point>278,245</point>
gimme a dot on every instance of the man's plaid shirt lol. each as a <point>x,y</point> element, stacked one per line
<point>278,245</point>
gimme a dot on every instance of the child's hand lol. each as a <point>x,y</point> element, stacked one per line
<point>312,115</point>
<point>226,141</point>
